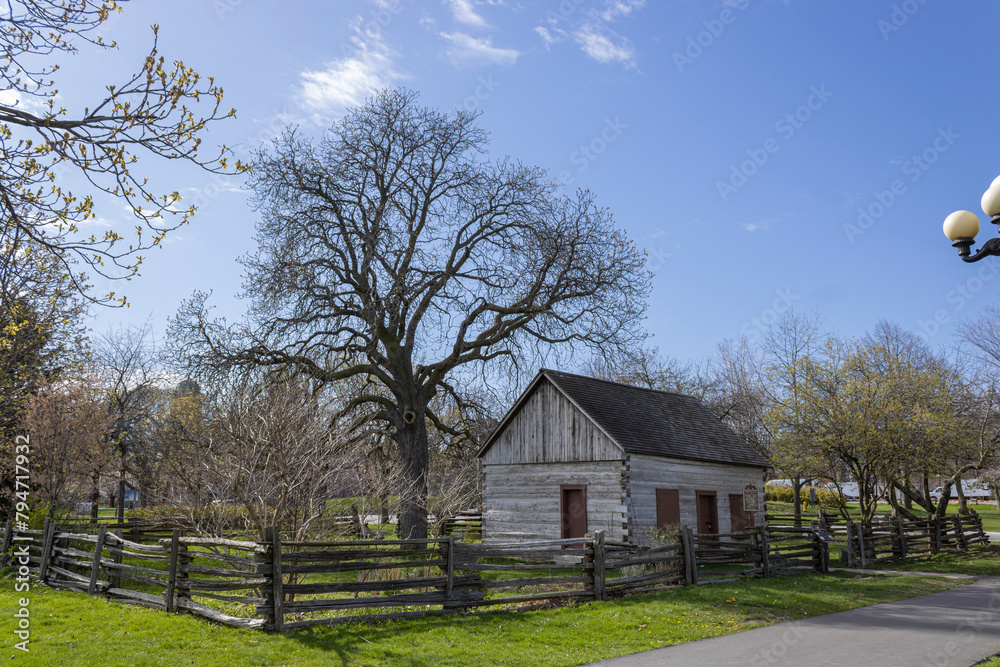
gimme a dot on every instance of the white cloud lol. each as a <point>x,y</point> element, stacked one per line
<point>621,8</point>
<point>465,49</point>
<point>464,11</point>
<point>760,225</point>
<point>592,33</point>
<point>605,46</point>
<point>347,81</point>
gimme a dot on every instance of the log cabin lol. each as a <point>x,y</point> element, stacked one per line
<point>577,454</point>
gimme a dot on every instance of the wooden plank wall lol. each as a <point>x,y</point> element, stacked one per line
<point>522,502</point>
<point>549,429</point>
<point>645,474</point>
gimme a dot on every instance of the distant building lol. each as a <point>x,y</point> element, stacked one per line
<point>576,454</point>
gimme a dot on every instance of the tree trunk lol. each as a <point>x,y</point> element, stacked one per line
<point>121,493</point>
<point>412,441</point>
<point>797,499</point>
<point>95,497</point>
<point>963,507</point>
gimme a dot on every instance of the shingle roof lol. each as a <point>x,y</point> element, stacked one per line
<point>658,423</point>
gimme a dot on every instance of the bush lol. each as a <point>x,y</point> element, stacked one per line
<point>784,494</point>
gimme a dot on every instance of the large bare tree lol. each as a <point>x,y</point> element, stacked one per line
<point>395,252</point>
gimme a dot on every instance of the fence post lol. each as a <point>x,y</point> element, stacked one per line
<point>901,530</point>
<point>8,535</point>
<point>183,560</point>
<point>690,558</point>
<point>116,578</point>
<point>824,546</point>
<point>600,588</point>
<point>95,569</point>
<point>765,548</point>
<point>449,583</point>
<point>934,532</point>
<point>277,583</point>
<point>859,529</point>
<point>168,595</point>
<point>50,530</point>
<point>977,520</point>
<point>960,533</point>
<point>852,560</point>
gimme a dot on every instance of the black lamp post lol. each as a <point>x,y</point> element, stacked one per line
<point>962,226</point>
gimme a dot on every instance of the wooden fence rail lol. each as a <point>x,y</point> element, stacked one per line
<point>283,585</point>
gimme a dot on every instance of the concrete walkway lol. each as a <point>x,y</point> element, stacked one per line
<point>955,628</point>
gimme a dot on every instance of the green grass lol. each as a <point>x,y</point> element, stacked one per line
<point>978,560</point>
<point>988,511</point>
<point>75,629</point>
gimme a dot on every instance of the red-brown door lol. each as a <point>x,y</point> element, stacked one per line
<point>738,518</point>
<point>708,512</point>
<point>574,511</point>
<point>668,507</point>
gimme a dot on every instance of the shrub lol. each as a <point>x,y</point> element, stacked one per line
<point>784,494</point>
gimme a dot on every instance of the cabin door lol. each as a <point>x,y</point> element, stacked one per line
<point>708,512</point>
<point>739,520</point>
<point>668,508</point>
<point>574,511</point>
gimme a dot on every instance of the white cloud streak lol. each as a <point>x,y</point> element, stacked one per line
<point>466,50</point>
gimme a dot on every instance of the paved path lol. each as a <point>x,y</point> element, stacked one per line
<point>955,628</point>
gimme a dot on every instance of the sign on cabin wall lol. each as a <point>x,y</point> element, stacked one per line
<point>751,498</point>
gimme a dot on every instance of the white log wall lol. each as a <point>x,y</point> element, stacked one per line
<point>549,429</point>
<point>645,474</point>
<point>522,502</point>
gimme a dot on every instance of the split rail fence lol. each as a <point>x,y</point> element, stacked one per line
<point>888,538</point>
<point>283,585</point>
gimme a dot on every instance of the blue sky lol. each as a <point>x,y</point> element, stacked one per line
<point>767,154</point>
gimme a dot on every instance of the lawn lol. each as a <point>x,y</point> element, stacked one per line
<point>73,629</point>
<point>988,511</point>
<point>977,560</point>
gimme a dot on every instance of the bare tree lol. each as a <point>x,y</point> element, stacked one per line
<point>393,252</point>
<point>68,422</point>
<point>279,450</point>
<point>125,363</point>
<point>788,346</point>
<point>647,367</point>
<point>740,393</point>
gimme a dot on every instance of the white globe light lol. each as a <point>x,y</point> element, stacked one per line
<point>961,225</point>
<point>991,199</point>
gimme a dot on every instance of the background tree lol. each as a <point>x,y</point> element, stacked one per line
<point>393,252</point>
<point>68,421</point>
<point>125,364</point>
<point>279,449</point>
<point>741,395</point>
<point>789,346</point>
<point>162,110</point>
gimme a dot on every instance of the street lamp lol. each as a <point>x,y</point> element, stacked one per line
<point>961,227</point>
